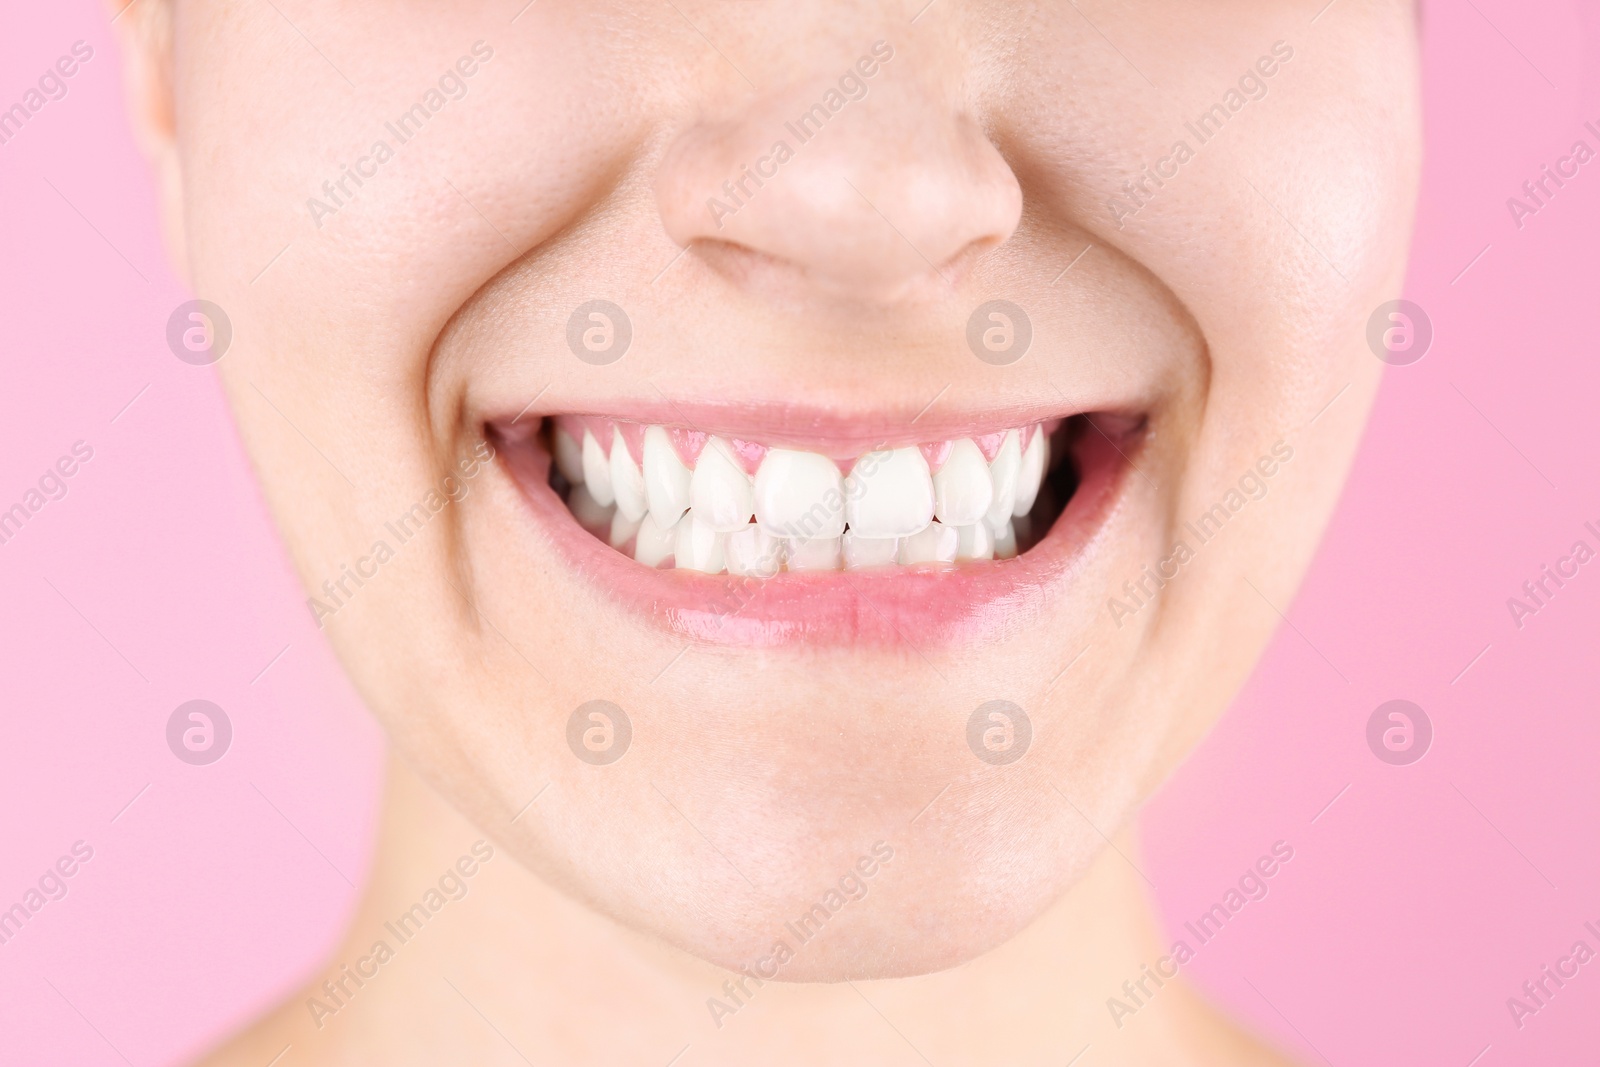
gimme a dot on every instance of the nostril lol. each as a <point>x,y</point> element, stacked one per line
<point>760,272</point>
<point>958,266</point>
<point>741,265</point>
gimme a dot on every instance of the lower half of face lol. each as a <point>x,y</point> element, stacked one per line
<point>800,491</point>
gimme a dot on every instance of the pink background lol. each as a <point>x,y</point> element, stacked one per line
<point>1415,905</point>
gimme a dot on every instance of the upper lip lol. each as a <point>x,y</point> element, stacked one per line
<point>830,431</point>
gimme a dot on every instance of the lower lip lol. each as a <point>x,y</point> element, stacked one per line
<point>915,605</point>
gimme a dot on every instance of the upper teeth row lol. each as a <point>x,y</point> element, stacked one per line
<point>891,507</point>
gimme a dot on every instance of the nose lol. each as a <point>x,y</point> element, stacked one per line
<point>862,186</point>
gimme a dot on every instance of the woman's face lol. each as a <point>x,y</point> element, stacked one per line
<point>762,242</point>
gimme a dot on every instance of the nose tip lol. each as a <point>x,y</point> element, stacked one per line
<point>865,196</point>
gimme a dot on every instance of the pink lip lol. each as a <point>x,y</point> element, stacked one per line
<point>919,606</point>
<point>842,436</point>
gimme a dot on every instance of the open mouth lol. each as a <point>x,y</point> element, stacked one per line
<point>680,498</point>
<point>741,540</point>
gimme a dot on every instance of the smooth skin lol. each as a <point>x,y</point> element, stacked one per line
<point>375,338</point>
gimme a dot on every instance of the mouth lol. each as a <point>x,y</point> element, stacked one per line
<point>816,532</point>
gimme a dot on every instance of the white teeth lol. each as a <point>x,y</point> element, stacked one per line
<point>1031,476</point>
<point>666,479</point>
<point>622,528</point>
<point>815,554</point>
<point>808,517</point>
<point>719,491</point>
<point>862,552</point>
<point>754,553</point>
<point>597,471</point>
<point>699,547</point>
<point>1003,472</point>
<point>1005,542</point>
<point>627,481</point>
<point>799,495</point>
<point>935,543</point>
<point>889,494</point>
<point>974,542</point>
<point>654,543</point>
<point>569,457</point>
<point>962,490</point>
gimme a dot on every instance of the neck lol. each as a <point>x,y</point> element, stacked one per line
<point>513,971</point>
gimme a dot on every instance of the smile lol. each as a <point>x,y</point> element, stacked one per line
<point>728,538</point>
<point>676,497</point>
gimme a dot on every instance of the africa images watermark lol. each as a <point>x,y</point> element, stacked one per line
<point>51,486</point>
<point>1252,85</point>
<point>1551,579</point>
<point>852,885</point>
<point>851,86</point>
<point>338,991</point>
<point>51,86</point>
<point>404,527</point>
<point>1537,992</point>
<point>1550,180</point>
<point>51,885</point>
<point>1137,993</point>
<point>452,86</point>
<point>1203,528</point>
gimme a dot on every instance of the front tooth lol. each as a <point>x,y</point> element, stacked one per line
<point>1003,472</point>
<point>936,543</point>
<point>622,528</point>
<point>698,546</point>
<point>569,457</point>
<point>975,541</point>
<point>889,494</point>
<point>654,543</point>
<point>962,490</point>
<point>719,490</point>
<point>597,471</point>
<point>1031,476</point>
<point>666,479</point>
<point>753,553</point>
<point>799,495</point>
<point>813,554</point>
<point>862,552</point>
<point>627,481</point>
<point>1005,542</point>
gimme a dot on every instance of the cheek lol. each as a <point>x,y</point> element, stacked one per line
<point>1335,174</point>
<point>337,289</point>
<point>1285,222</point>
<point>354,194</point>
